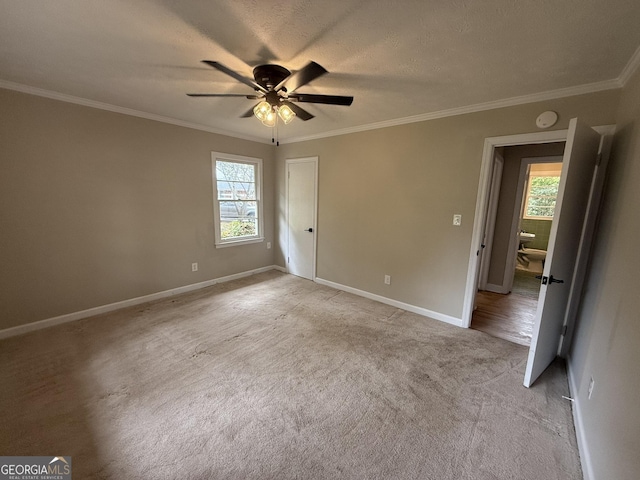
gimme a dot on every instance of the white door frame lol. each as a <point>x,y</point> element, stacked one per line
<point>288,162</point>
<point>490,144</point>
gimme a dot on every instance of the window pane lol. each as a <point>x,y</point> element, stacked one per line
<point>238,228</point>
<point>229,190</point>
<point>235,171</point>
<point>542,201</point>
<point>543,191</point>
<point>237,191</point>
<point>544,185</point>
<point>238,210</point>
<point>538,211</point>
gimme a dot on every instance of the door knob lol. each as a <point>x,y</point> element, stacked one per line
<point>549,279</point>
<point>309,230</point>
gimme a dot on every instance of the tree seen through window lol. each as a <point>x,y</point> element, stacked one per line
<point>541,197</point>
<point>237,200</point>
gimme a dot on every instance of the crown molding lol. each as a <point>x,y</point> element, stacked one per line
<point>630,68</point>
<point>479,107</point>
<point>619,82</point>
<point>63,97</point>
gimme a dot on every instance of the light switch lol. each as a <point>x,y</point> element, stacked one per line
<point>457,220</point>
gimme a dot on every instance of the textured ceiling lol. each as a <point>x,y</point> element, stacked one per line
<point>397,58</point>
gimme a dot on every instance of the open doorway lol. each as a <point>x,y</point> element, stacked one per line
<point>541,183</point>
<point>522,200</point>
<point>583,168</point>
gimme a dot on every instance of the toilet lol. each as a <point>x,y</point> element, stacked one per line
<point>529,256</point>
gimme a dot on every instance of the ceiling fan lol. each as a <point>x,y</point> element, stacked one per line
<point>275,87</point>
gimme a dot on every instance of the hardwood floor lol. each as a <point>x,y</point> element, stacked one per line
<point>509,317</point>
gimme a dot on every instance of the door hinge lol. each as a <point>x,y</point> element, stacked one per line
<point>598,159</point>
<point>564,331</point>
<point>288,259</point>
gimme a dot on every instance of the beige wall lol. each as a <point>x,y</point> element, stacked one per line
<point>606,345</point>
<point>507,202</point>
<point>387,198</point>
<point>98,207</point>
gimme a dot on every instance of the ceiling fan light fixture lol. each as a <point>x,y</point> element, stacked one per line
<point>270,118</point>
<point>286,114</point>
<point>262,111</point>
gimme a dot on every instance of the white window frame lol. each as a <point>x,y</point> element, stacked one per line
<point>257,163</point>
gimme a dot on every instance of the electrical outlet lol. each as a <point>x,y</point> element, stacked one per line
<point>194,267</point>
<point>457,220</point>
<point>387,279</point>
<point>592,384</point>
<point>268,245</point>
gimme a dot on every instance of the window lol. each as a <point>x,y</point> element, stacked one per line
<point>542,190</point>
<point>237,204</point>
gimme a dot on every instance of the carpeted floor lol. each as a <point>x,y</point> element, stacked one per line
<point>275,377</point>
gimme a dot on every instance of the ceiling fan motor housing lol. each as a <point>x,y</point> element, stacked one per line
<point>268,76</point>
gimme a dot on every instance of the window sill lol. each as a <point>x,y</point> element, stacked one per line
<point>244,241</point>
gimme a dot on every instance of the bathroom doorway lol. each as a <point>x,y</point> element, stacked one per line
<point>518,229</point>
<point>539,194</point>
<point>583,172</point>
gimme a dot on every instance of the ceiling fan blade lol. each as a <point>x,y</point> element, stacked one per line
<point>250,97</point>
<point>326,99</point>
<point>308,73</point>
<point>301,113</point>
<point>237,76</point>
<point>248,113</point>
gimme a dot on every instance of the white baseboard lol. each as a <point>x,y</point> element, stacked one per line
<point>70,317</point>
<point>490,287</point>
<point>583,446</point>
<point>394,303</point>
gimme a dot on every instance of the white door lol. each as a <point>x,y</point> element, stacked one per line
<point>484,252</point>
<point>301,216</point>
<point>578,167</point>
